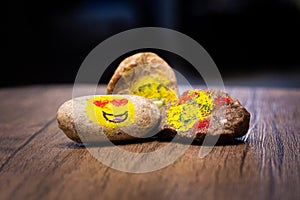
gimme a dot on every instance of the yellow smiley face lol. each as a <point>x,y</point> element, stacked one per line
<point>110,111</point>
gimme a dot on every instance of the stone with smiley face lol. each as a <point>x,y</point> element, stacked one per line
<point>113,117</point>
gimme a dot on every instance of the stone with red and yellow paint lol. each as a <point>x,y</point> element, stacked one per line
<point>200,113</point>
<point>145,74</point>
<point>117,117</point>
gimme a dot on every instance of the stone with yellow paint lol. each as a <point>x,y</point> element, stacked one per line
<point>115,117</point>
<point>198,113</point>
<point>145,74</point>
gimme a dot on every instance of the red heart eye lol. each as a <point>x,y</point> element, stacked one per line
<point>120,102</point>
<point>100,103</point>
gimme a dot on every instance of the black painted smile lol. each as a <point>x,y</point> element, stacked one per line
<point>115,118</point>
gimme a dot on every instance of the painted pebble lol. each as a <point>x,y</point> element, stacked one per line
<point>198,113</point>
<point>147,75</point>
<point>119,117</point>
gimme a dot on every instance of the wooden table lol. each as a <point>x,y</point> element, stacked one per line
<point>37,161</point>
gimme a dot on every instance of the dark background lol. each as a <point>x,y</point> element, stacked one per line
<point>253,42</point>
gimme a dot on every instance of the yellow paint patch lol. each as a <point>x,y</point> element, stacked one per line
<point>154,88</point>
<point>110,111</point>
<point>193,106</point>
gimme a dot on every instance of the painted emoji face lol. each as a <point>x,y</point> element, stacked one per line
<point>110,111</point>
<point>191,111</point>
<point>154,88</point>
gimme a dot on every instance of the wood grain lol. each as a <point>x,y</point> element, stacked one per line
<point>37,161</point>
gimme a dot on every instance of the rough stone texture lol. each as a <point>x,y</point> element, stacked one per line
<point>138,66</point>
<point>73,120</point>
<point>228,120</point>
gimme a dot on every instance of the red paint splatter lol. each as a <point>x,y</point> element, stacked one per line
<point>220,101</point>
<point>227,100</point>
<point>100,103</point>
<point>120,102</point>
<point>201,125</point>
<point>186,97</point>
